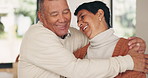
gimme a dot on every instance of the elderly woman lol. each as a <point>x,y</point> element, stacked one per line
<point>93,18</point>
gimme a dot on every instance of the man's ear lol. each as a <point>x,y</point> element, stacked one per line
<point>40,16</point>
<point>42,19</point>
<point>100,13</point>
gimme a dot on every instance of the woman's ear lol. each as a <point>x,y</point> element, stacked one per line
<point>100,13</point>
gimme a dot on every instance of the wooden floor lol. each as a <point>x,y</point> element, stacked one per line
<point>9,72</point>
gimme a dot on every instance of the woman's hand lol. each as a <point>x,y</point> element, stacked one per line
<point>136,41</point>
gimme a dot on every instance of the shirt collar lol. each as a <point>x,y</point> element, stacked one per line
<point>66,35</point>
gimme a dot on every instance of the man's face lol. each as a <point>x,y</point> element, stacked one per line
<point>56,16</point>
<point>88,23</point>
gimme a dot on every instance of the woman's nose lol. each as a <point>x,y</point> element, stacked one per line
<point>80,25</point>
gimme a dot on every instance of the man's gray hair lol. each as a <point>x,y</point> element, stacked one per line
<point>41,2</point>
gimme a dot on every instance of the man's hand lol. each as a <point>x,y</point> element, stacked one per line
<point>140,60</point>
<point>136,41</point>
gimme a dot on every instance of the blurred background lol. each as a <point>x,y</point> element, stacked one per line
<point>15,18</point>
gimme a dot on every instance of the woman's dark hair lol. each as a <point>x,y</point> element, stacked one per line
<point>93,7</point>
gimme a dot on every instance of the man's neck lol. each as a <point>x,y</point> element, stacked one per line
<point>63,37</point>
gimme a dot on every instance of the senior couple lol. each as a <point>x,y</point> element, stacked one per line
<point>53,49</point>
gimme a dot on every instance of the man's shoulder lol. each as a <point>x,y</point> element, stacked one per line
<point>74,31</point>
<point>37,31</point>
<point>77,34</point>
<point>38,28</point>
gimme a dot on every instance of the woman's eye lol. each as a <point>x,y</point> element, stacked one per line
<point>82,17</point>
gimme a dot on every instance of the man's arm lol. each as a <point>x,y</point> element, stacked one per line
<point>140,60</point>
<point>133,46</point>
<point>47,53</point>
<point>133,42</point>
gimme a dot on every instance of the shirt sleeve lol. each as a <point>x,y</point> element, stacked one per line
<point>46,52</point>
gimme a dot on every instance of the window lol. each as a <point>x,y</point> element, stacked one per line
<point>124,17</point>
<point>15,18</point>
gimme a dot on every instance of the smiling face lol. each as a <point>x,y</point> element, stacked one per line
<point>56,16</point>
<point>88,22</point>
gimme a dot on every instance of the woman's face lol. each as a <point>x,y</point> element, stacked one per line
<point>88,23</point>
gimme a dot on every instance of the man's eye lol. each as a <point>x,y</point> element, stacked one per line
<point>65,12</point>
<point>54,14</point>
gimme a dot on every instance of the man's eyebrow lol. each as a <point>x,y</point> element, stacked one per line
<point>67,9</point>
<point>58,12</point>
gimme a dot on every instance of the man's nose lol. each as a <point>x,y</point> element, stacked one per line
<point>62,18</point>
